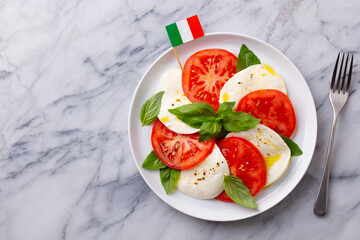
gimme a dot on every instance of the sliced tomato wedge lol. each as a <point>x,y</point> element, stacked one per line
<point>179,151</point>
<point>205,73</point>
<point>273,107</point>
<point>245,161</point>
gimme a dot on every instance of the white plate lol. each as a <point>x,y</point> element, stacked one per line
<point>304,135</point>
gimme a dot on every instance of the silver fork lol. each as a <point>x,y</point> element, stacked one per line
<point>338,94</point>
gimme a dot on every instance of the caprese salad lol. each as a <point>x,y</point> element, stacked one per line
<point>221,127</point>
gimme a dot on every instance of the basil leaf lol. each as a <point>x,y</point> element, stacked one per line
<point>169,178</point>
<point>225,107</point>
<point>194,114</point>
<point>238,192</point>
<point>151,108</point>
<point>209,129</point>
<point>152,162</point>
<point>246,58</point>
<point>239,121</point>
<point>294,148</point>
<point>222,134</point>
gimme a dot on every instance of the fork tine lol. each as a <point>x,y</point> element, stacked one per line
<point>341,89</point>
<point>350,73</point>
<point>334,73</point>
<point>339,76</point>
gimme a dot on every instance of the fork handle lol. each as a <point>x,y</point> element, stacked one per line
<point>321,203</point>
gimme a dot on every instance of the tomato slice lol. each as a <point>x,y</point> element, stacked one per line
<point>205,73</point>
<point>245,161</point>
<point>273,107</point>
<point>179,151</point>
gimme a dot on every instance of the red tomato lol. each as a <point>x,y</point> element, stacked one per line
<point>205,73</point>
<point>246,162</point>
<point>273,107</point>
<point>179,151</point>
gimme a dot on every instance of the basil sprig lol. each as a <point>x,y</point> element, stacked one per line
<point>246,58</point>
<point>238,192</point>
<point>151,108</point>
<point>152,162</point>
<point>169,178</point>
<point>202,116</point>
<point>294,148</point>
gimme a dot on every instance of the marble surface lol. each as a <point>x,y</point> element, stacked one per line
<point>68,70</point>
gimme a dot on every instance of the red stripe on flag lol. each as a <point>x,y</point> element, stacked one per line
<point>195,26</point>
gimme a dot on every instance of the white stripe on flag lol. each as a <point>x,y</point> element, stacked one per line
<point>185,31</point>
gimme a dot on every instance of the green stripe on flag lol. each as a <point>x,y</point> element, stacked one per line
<point>174,35</point>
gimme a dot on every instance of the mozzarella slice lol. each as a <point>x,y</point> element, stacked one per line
<point>173,97</point>
<point>205,181</point>
<point>272,147</point>
<point>256,77</point>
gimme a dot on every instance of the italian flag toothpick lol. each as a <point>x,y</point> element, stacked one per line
<point>184,31</point>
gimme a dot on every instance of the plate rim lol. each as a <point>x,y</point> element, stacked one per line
<point>313,112</point>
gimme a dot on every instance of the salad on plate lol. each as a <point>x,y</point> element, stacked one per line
<point>221,127</point>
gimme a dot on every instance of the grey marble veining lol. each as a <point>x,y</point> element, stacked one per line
<point>68,70</point>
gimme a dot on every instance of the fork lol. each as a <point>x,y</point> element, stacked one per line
<point>338,94</point>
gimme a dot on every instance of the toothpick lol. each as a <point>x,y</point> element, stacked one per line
<point>177,57</point>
